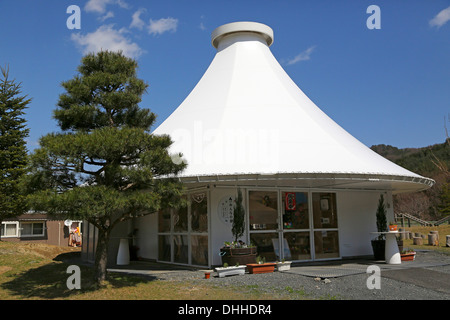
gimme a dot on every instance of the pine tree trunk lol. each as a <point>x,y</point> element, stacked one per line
<point>101,256</point>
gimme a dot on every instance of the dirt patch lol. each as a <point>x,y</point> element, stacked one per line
<point>4,269</point>
<point>44,251</point>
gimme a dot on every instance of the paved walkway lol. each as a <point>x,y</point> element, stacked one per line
<point>426,278</point>
<point>322,269</point>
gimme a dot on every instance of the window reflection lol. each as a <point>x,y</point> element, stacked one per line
<point>326,244</point>
<point>263,210</point>
<point>297,246</point>
<point>324,210</point>
<point>295,210</point>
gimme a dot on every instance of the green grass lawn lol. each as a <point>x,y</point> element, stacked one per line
<point>443,230</point>
<point>32,271</point>
<point>36,271</point>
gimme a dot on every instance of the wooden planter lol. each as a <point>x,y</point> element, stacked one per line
<point>255,268</point>
<point>408,256</point>
<point>241,256</point>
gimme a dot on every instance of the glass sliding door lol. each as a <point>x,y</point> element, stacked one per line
<point>325,224</point>
<point>293,225</point>
<point>183,232</point>
<point>263,222</point>
<point>296,230</point>
<point>199,229</point>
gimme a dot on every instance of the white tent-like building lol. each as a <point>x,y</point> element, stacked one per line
<point>310,188</point>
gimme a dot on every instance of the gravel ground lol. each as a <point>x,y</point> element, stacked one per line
<point>415,283</point>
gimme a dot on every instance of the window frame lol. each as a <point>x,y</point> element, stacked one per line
<point>4,223</point>
<point>32,229</point>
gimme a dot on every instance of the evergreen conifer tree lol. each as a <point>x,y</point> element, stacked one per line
<point>238,227</point>
<point>13,151</point>
<point>105,167</point>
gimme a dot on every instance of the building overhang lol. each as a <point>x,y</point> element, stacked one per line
<point>331,181</point>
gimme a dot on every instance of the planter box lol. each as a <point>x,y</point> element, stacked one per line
<point>241,256</point>
<point>283,266</point>
<point>408,256</point>
<point>255,268</point>
<point>230,271</point>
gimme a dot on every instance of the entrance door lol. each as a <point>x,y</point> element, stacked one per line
<point>325,225</point>
<point>293,225</point>
<point>296,232</point>
<point>183,233</point>
<point>263,223</point>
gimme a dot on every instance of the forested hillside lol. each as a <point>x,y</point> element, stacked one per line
<point>432,162</point>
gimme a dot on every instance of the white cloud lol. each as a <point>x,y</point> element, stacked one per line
<point>110,14</point>
<point>137,22</point>
<point>99,6</point>
<point>441,18</point>
<point>162,25</point>
<point>107,38</point>
<point>302,56</point>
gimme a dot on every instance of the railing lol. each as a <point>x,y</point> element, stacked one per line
<point>447,218</point>
<point>402,216</point>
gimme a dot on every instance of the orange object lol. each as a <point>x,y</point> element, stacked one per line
<point>393,227</point>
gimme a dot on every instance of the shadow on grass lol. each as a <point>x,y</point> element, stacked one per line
<point>50,280</point>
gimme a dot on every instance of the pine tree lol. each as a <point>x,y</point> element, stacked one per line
<point>13,151</point>
<point>238,226</point>
<point>105,166</point>
<point>381,217</point>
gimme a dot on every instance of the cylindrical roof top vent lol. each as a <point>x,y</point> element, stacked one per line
<point>245,26</point>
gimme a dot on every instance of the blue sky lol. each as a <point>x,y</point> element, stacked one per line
<point>388,85</point>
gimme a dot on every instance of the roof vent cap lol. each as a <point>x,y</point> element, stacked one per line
<point>244,26</point>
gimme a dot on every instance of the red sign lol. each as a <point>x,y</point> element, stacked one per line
<point>290,201</point>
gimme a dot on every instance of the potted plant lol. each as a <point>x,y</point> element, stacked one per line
<point>393,227</point>
<point>226,270</point>
<point>283,265</point>
<point>379,243</point>
<point>261,266</point>
<point>237,252</point>
<point>408,255</point>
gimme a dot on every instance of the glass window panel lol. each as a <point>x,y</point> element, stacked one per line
<point>326,244</point>
<point>26,229</point>
<point>295,210</point>
<point>324,210</point>
<point>9,229</point>
<point>38,228</point>
<point>180,249</point>
<point>180,219</point>
<point>164,250</point>
<point>199,250</point>
<point>164,220</point>
<point>297,246</point>
<point>199,212</point>
<point>267,245</point>
<point>263,210</point>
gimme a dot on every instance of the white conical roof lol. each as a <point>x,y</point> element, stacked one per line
<point>246,120</point>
